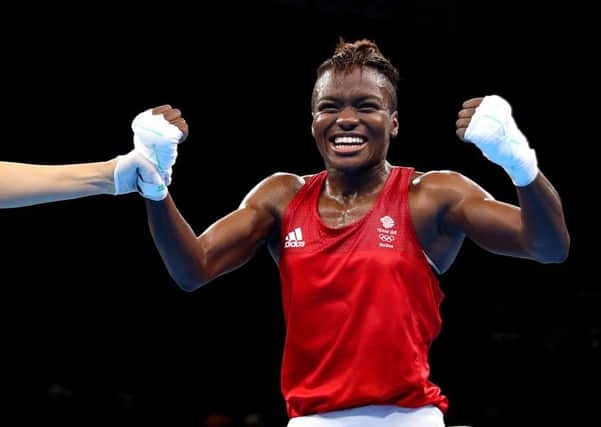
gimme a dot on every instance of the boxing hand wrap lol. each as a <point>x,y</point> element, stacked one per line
<point>493,130</point>
<point>133,172</point>
<point>157,140</point>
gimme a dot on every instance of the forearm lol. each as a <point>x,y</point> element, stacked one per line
<point>176,242</point>
<point>540,232</point>
<point>545,231</point>
<point>25,184</point>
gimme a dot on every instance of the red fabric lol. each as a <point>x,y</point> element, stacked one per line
<point>361,306</point>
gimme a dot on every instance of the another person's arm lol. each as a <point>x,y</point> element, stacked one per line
<point>24,184</point>
<point>146,169</point>
<point>536,229</point>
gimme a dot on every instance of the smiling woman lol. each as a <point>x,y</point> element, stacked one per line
<point>355,87</point>
<point>360,245</point>
<point>361,97</point>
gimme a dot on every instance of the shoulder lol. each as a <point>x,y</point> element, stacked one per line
<point>445,186</point>
<point>275,191</point>
<point>279,182</point>
<point>442,180</point>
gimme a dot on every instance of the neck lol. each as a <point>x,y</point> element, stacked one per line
<point>345,186</point>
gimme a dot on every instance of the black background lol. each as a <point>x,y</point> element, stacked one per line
<point>117,340</point>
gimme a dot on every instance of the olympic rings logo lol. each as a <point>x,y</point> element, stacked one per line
<point>386,238</point>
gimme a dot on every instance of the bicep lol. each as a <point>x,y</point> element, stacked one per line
<point>493,225</point>
<point>230,242</point>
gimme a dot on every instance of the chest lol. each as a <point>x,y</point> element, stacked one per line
<point>422,214</point>
<point>336,214</point>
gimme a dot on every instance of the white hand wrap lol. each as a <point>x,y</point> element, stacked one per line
<point>133,172</point>
<point>493,130</point>
<point>157,140</point>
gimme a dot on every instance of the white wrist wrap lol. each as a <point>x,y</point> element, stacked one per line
<point>157,140</point>
<point>494,131</point>
<point>133,172</point>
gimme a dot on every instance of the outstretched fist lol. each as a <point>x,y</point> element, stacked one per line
<point>157,132</point>
<point>147,168</point>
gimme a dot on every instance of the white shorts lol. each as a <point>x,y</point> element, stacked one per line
<point>374,416</point>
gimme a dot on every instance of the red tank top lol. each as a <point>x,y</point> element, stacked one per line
<point>361,306</point>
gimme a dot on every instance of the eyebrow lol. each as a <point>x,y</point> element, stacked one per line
<point>359,99</point>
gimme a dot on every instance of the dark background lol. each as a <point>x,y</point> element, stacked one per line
<point>117,340</point>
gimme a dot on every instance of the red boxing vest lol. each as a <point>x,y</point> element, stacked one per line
<point>361,306</point>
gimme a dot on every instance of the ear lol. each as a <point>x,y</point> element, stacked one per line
<point>394,124</point>
<point>312,130</point>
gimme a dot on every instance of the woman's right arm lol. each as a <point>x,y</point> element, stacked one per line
<point>229,243</point>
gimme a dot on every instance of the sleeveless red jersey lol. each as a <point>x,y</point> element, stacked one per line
<point>361,306</point>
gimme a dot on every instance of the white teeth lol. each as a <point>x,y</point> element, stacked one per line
<point>348,140</point>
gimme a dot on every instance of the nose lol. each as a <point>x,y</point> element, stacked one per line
<point>347,119</point>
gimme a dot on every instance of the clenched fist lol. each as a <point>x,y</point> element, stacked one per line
<point>488,124</point>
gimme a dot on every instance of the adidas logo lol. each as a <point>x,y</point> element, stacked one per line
<point>294,239</point>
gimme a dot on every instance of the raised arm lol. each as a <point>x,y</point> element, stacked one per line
<point>536,229</point>
<point>227,244</point>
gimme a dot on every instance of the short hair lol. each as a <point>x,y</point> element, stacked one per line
<point>362,53</point>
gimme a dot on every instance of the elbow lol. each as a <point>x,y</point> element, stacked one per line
<point>190,282</point>
<point>556,253</point>
<point>188,285</point>
<point>191,278</point>
<point>555,258</point>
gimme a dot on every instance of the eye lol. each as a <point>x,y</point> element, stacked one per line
<point>327,107</point>
<point>368,107</point>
